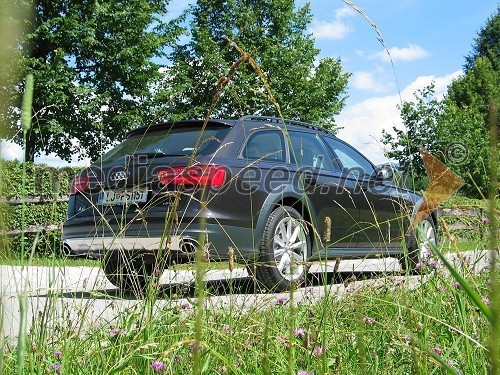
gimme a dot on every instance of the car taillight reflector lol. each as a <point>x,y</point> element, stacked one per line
<point>195,175</point>
<point>79,184</point>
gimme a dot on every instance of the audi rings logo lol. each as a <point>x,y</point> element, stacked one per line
<point>119,176</point>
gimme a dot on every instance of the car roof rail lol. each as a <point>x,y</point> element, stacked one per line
<point>285,121</point>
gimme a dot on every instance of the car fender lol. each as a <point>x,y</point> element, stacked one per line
<point>274,199</point>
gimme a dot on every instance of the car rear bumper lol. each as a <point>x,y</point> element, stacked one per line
<point>87,239</point>
<point>96,247</point>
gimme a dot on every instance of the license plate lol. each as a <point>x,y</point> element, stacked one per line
<point>112,197</point>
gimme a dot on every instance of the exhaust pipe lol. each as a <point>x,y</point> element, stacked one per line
<point>189,246</point>
<point>67,250</point>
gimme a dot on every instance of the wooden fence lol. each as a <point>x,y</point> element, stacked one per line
<point>465,222</point>
<point>32,228</point>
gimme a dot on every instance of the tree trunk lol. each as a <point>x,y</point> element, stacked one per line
<point>29,148</point>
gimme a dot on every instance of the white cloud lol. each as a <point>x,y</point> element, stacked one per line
<point>334,29</point>
<point>10,151</point>
<point>363,122</point>
<point>344,12</point>
<point>440,85</point>
<point>366,81</point>
<point>409,53</point>
<point>55,161</point>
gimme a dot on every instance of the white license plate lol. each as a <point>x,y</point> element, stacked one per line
<point>111,197</point>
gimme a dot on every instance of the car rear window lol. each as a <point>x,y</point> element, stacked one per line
<point>169,141</point>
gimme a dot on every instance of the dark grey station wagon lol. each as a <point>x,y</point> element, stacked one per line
<point>278,194</point>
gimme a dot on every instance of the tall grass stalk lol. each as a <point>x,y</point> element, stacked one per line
<point>23,297</point>
<point>494,344</point>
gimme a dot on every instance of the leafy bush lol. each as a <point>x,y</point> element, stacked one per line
<point>47,184</point>
<point>41,181</point>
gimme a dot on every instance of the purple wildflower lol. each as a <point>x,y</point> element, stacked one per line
<point>304,372</point>
<point>56,367</point>
<point>299,332</point>
<point>157,366</point>
<point>437,350</point>
<point>456,284</point>
<point>368,320</point>
<point>442,288</point>
<point>116,332</point>
<point>486,300</point>
<point>317,351</point>
<point>419,266</point>
<point>58,354</point>
<point>281,300</point>
<point>485,220</point>
<point>223,370</point>
<point>186,305</point>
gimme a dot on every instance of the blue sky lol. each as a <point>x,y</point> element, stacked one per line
<point>427,40</point>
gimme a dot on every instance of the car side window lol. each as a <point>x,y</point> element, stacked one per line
<point>350,159</point>
<point>265,145</point>
<point>307,150</point>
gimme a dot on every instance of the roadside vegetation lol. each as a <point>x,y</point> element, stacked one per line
<point>380,328</point>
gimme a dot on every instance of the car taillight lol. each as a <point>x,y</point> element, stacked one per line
<point>79,184</point>
<point>195,175</point>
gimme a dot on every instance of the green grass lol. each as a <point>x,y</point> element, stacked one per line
<point>464,246</point>
<point>407,331</point>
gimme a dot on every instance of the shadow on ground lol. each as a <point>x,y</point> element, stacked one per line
<point>244,285</point>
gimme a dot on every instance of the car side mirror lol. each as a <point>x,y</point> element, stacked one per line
<point>384,173</point>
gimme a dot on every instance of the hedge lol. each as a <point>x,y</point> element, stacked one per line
<point>42,181</point>
<point>44,191</point>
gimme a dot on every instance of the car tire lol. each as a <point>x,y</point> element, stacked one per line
<point>284,250</point>
<point>128,272</point>
<point>419,248</point>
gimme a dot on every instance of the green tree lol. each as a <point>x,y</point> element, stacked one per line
<point>420,118</point>
<point>274,34</point>
<point>487,45</point>
<point>93,69</point>
<point>455,129</point>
